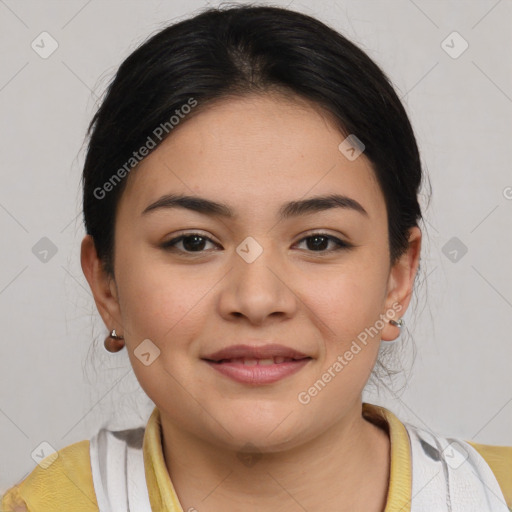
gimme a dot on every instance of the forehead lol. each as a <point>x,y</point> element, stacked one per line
<point>254,152</point>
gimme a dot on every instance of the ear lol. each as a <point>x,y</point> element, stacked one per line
<point>102,285</point>
<point>401,284</point>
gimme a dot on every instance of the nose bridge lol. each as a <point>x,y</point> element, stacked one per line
<point>257,288</point>
<point>253,263</point>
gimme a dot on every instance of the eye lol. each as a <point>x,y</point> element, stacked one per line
<point>195,243</point>
<point>191,242</point>
<point>319,241</point>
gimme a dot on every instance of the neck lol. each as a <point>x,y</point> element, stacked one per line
<point>346,468</point>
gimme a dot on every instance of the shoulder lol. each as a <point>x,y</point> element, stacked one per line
<point>499,459</point>
<point>60,482</point>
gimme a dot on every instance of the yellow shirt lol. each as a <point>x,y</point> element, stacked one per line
<point>66,485</point>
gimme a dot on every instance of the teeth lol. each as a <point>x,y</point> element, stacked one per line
<point>263,362</point>
<point>247,361</point>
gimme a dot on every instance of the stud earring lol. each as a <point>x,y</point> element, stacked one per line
<point>114,342</point>
<point>399,324</point>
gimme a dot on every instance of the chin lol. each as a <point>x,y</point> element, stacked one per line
<point>266,431</point>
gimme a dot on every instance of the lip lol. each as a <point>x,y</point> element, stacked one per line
<point>229,362</point>
<point>258,374</point>
<point>255,352</point>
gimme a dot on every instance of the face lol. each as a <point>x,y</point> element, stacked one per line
<point>309,278</point>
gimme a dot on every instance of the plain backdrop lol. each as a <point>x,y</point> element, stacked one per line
<point>56,387</point>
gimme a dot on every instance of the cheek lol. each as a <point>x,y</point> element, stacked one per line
<point>349,304</point>
<point>347,308</point>
<point>160,301</point>
<point>349,298</point>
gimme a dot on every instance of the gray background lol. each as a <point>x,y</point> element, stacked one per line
<point>56,388</point>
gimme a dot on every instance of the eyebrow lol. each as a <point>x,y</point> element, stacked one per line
<point>290,209</point>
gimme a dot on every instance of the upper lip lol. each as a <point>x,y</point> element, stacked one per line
<point>255,352</point>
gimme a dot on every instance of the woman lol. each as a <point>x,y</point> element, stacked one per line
<point>250,202</point>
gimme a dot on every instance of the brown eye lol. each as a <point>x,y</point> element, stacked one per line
<point>318,242</point>
<point>191,242</point>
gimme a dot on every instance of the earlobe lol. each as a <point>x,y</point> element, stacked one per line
<point>102,285</point>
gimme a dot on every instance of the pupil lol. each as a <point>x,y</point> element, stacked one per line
<point>319,245</point>
<point>195,244</point>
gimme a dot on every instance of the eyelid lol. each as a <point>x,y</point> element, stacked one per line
<point>323,232</point>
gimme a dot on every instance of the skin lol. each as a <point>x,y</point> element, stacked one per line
<point>254,154</point>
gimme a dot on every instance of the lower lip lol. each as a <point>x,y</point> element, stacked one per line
<point>259,374</point>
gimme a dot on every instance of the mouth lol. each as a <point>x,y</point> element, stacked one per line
<point>257,365</point>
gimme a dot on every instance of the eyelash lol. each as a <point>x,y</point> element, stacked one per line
<point>171,244</point>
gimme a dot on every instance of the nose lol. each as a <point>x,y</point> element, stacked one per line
<point>258,290</point>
